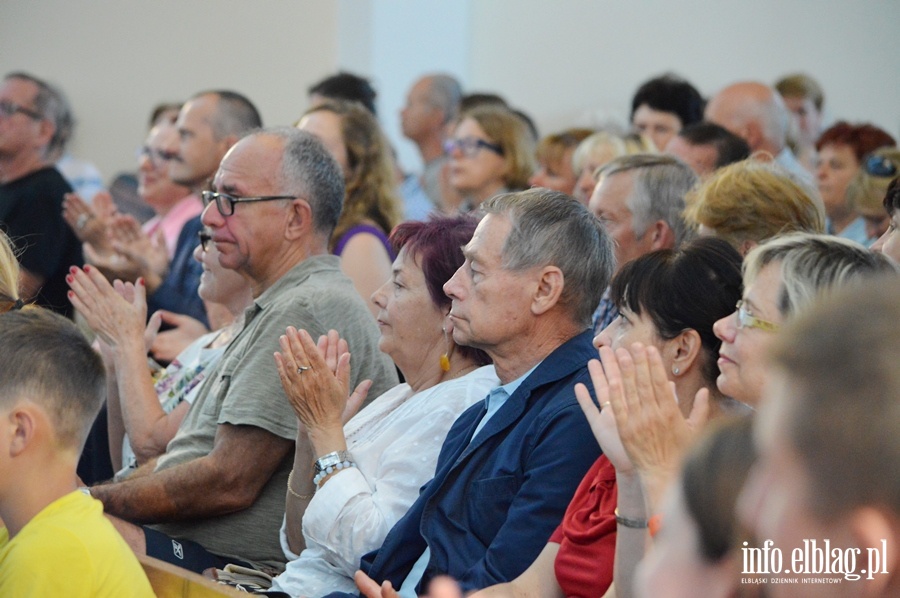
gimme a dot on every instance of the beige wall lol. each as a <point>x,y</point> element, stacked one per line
<point>565,62</point>
<point>116,60</point>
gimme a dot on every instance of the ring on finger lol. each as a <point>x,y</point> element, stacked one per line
<point>82,220</point>
<point>604,404</point>
<point>303,368</point>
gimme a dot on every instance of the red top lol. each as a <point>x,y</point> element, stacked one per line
<point>587,534</point>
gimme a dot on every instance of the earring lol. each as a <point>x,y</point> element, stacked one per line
<point>675,370</point>
<point>445,358</point>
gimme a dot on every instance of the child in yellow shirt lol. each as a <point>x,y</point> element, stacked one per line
<point>56,541</point>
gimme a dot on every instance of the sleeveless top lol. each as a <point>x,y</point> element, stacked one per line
<point>363,228</point>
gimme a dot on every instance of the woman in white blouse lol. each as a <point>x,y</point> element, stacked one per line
<point>383,455</point>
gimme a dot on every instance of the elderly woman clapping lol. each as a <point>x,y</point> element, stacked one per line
<point>351,483</point>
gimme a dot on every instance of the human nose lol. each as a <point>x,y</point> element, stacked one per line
<point>211,217</point>
<point>725,328</point>
<point>379,296</point>
<point>604,338</point>
<point>452,286</point>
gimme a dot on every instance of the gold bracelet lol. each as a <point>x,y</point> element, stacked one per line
<point>291,490</point>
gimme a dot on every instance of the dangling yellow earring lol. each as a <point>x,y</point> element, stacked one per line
<point>445,358</point>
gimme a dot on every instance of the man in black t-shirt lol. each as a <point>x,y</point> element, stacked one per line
<point>31,192</point>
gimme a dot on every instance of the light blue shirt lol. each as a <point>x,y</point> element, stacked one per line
<point>496,398</point>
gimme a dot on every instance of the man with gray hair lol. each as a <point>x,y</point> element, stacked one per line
<point>640,200</point>
<point>32,190</point>
<point>510,464</point>
<point>756,113</point>
<point>217,495</point>
<point>431,105</point>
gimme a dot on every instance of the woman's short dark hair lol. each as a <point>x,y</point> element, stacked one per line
<point>437,247</point>
<point>687,288</point>
<point>670,94</point>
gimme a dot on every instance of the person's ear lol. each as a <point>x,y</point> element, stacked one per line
<point>21,423</point>
<point>548,290</point>
<point>877,535</point>
<point>684,350</point>
<point>752,134</point>
<point>299,222</point>
<point>661,236</point>
<point>746,247</point>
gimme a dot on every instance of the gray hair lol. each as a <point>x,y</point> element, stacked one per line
<point>445,93</point>
<point>660,183</point>
<point>234,115</point>
<point>811,265</point>
<point>310,172</point>
<point>552,228</point>
<point>52,105</point>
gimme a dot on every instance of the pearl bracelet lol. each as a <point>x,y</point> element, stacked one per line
<point>330,463</point>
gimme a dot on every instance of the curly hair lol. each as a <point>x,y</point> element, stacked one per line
<point>370,189</point>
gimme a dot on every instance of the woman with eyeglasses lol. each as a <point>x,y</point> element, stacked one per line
<point>842,149</point>
<point>491,152</point>
<point>782,277</point>
<point>146,406</point>
<point>371,205</point>
<point>868,188</point>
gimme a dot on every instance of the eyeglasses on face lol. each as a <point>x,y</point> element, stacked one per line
<point>157,157</point>
<point>880,166</point>
<point>469,146</point>
<point>9,109</point>
<point>225,203</point>
<point>205,238</point>
<point>747,320</point>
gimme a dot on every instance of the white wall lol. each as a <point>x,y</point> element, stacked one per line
<point>564,61</point>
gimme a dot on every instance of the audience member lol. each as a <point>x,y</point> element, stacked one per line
<point>696,551</point>
<point>755,112</point>
<point>706,147</point>
<point>663,106</point>
<point>842,149</point>
<point>54,540</point>
<point>343,86</point>
<point>32,190</point>
<point>82,176</point>
<point>657,308</point>
<point>219,489</point>
<point>393,444</point>
<point>751,201</point>
<point>431,105</point>
<point>828,441</point>
<point>145,410</point>
<point>9,277</point>
<point>490,153</point>
<point>781,278</point>
<point>371,206</point>
<point>554,158</point>
<point>867,189</point>
<point>804,99</point>
<point>593,152</point>
<point>639,200</point>
<point>509,465</point>
<point>889,243</point>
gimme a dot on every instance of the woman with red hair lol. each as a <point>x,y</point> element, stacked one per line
<point>842,148</point>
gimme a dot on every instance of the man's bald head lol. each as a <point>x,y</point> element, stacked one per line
<point>753,111</point>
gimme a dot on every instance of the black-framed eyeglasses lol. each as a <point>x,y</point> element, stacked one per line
<point>205,238</point>
<point>9,109</point>
<point>880,166</point>
<point>225,203</point>
<point>469,146</point>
